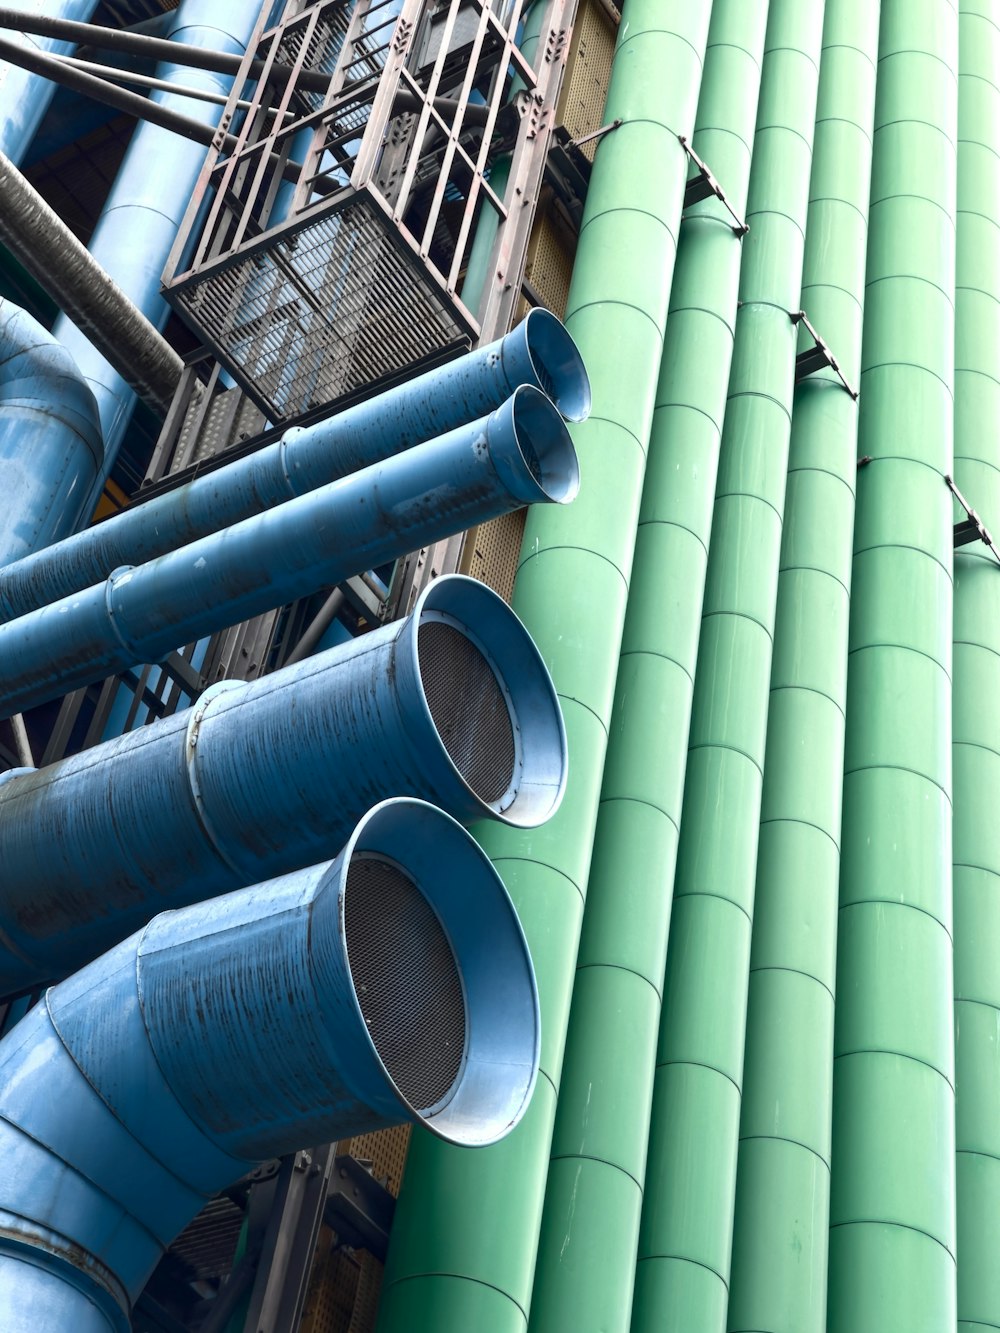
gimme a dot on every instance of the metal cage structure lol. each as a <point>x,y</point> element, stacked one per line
<point>327,247</point>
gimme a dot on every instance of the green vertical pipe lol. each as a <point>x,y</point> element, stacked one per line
<point>976,676</point>
<point>682,1272</point>
<point>463,1247</point>
<point>892,1205</point>
<point>783,1171</point>
<point>586,1262</point>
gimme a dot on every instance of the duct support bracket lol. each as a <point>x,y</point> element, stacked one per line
<point>359,1208</point>
<point>971,528</point>
<point>817,357</point>
<point>703,184</point>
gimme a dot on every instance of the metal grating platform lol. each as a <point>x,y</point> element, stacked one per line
<point>334,305</point>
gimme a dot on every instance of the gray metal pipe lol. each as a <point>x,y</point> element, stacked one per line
<point>40,241</point>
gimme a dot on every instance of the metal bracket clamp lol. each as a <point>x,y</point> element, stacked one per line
<point>817,357</point>
<point>359,1208</point>
<point>972,528</point>
<point>703,184</point>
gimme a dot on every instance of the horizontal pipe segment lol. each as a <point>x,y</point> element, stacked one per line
<point>392,984</point>
<point>452,705</point>
<point>521,454</point>
<point>539,353</point>
<point>50,437</point>
<point>42,243</point>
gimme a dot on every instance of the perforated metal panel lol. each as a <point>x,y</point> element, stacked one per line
<point>585,90</point>
<point>468,708</point>
<point>406,979</point>
<point>330,307</point>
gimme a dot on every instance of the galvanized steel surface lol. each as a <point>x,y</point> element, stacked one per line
<point>42,242</point>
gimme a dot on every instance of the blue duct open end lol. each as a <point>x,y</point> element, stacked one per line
<point>491,702</point>
<point>391,984</point>
<point>546,451</point>
<point>546,355</point>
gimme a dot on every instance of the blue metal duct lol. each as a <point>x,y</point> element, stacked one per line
<point>392,984</point>
<point>452,704</point>
<point>50,438</point>
<point>539,353</point>
<point>24,97</point>
<point>520,454</point>
<point>141,216</point>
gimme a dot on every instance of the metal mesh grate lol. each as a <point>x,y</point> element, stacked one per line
<point>468,708</point>
<point>323,311</point>
<point>406,979</point>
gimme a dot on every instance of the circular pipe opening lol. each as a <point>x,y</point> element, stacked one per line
<point>406,980</point>
<point>546,447</point>
<point>491,701</point>
<point>469,707</point>
<point>441,972</point>
<point>557,364</point>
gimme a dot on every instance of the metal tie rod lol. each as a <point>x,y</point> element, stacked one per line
<point>155,48</point>
<point>134,104</point>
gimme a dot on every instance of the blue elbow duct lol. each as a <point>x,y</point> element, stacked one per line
<point>50,438</point>
<point>539,353</point>
<point>453,705</point>
<point>521,454</point>
<point>392,984</point>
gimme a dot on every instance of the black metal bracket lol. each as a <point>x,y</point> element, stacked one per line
<point>567,171</point>
<point>971,528</point>
<point>703,184</point>
<point>596,134</point>
<point>359,1208</point>
<point>817,357</point>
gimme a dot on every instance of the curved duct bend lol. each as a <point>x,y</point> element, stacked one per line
<point>539,354</point>
<point>50,436</point>
<point>392,984</point>
<point>453,705</point>
<point>521,454</point>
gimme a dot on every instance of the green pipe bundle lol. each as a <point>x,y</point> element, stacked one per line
<point>892,1205</point>
<point>464,1240</point>
<point>783,1174</point>
<point>586,1262</point>
<point>683,1265</point>
<point>976,675</point>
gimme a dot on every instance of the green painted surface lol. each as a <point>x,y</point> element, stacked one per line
<point>976,670</point>
<point>691,1176</point>
<point>571,592</point>
<point>892,1210</point>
